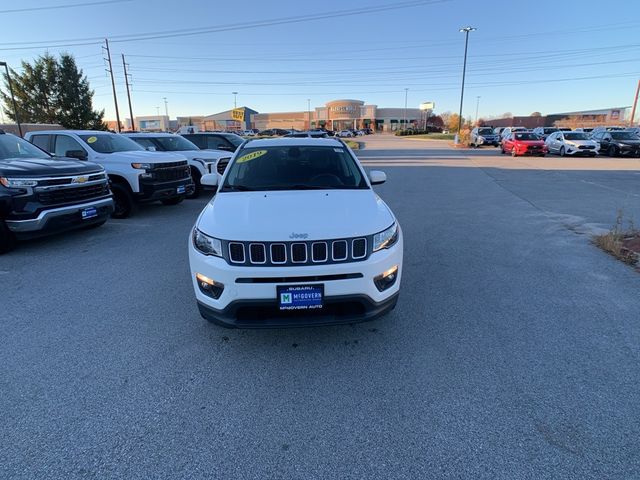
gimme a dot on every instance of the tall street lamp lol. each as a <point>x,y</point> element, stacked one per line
<point>309,112</point>
<point>466,31</point>
<point>477,107</point>
<point>235,97</point>
<point>406,91</point>
<point>13,99</point>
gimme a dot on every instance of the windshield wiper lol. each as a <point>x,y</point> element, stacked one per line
<point>236,188</point>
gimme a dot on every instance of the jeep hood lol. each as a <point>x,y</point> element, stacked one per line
<point>278,215</point>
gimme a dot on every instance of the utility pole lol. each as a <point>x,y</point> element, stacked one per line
<point>13,99</point>
<point>406,91</point>
<point>477,107</point>
<point>166,108</point>
<point>466,31</point>
<point>126,81</point>
<point>635,104</point>
<point>113,83</point>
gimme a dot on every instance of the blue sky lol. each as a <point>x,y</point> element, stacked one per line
<point>545,56</point>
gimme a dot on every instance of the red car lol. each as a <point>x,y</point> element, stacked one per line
<point>524,143</point>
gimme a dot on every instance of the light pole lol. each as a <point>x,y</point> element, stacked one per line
<point>406,91</point>
<point>235,97</point>
<point>13,99</point>
<point>166,108</point>
<point>309,112</point>
<point>477,107</point>
<point>158,111</point>
<point>466,31</point>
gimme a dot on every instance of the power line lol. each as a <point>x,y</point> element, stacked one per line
<point>67,5</point>
<point>229,27</point>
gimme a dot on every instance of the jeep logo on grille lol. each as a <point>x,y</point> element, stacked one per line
<point>302,236</point>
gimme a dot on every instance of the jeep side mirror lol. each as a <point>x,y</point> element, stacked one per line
<point>209,179</point>
<point>79,154</point>
<point>376,177</point>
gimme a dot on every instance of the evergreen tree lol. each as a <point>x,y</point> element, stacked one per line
<point>51,91</point>
<point>75,98</point>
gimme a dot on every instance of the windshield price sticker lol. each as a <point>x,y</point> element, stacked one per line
<point>92,139</point>
<point>251,156</point>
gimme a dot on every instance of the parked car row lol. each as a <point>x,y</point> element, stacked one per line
<point>612,141</point>
<point>54,180</point>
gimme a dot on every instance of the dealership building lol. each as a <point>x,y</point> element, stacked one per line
<point>341,115</point>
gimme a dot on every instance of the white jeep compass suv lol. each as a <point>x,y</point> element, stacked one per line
<point>295,236</point>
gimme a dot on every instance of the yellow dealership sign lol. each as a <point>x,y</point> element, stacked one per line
<point>238,114</point>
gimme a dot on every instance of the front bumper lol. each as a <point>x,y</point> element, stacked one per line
<point>488,141</point>
<point>151,191</point>
<point>61,218</point>
<point>581,152</point>
<point>249,298</point>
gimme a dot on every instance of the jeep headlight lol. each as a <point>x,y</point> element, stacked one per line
<point>206,244</point>
<point>386,238</point>
<point>17,182</point>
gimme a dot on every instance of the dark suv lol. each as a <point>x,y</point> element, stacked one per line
<point>228,142</point>
<point>40,194</point>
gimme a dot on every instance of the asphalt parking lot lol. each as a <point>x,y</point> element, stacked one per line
<point>513,352</point>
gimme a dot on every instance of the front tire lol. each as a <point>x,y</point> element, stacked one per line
<point>563,152</point>
<point>7,238</point>
<point>197,186</point>
<point>123,199</point>
<point>612,151</point>
<point>172,200</point>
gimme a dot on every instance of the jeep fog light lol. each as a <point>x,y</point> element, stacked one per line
<point>386,279</point>
<point>209,287</point>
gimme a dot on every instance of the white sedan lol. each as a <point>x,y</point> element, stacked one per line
<point>571,143</point>
<point>344,133</point>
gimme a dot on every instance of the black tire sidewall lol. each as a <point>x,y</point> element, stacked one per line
<point>124,203</point>
<point>197,186</point>
<point>7,238</point>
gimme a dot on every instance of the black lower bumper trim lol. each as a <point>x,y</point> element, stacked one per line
<point>266,314</point>
<point>152,191</point>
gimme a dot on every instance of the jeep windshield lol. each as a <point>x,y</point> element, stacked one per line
<point>485,131</point>
<point>293,168</point>
<point>15,147</point>
<point>110,143</point>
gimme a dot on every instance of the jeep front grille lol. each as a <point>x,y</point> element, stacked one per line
<point>297,253</point>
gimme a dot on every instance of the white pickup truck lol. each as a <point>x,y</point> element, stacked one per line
<point>201,162</point>
<point>136,175</point>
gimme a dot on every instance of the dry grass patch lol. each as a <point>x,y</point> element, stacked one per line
<point>624,244</point>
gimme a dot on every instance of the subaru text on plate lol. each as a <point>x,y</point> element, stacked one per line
<point>295,236</point>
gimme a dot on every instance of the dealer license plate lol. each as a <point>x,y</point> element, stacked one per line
<point>300,297</point>
<point>181,189</point>
<point>89,213</point>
